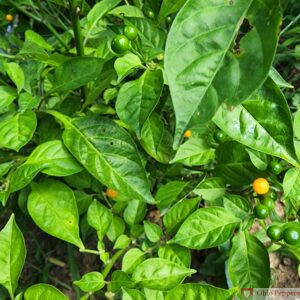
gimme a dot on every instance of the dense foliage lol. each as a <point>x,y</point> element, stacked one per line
<point>158,136</point>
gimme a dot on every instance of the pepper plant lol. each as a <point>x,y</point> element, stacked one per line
<point>156,131</point>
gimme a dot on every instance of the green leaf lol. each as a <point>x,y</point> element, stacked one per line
<point>151,37</point>
<point>16,74</point>
<point>17,129</point>
<point>206,228</point>
<point>96,13</point>
<point>137,99</point>
<point>99,217</point>
<point>12,255</point>
<point>259,159</point>
<point>169,7</point>
<point>32,36</point>
<point>123,241</point>
<point>119,279</point>
<point>7,96</point>
<point>248,264</point>
<point>27,102</point>
<point>52,206</point>
<point>160,274</point>
<point>116,228</point>
<point>153,231</point>
<point>291,187</point>
<point>153,294</point>
<point>234,164</point>
<point>175,253</point>
<point>126,64</point>
<point>132,258</point>
<point>195,291</point>
<point>76,72</point>
<point>101,146</point>
<point>169,193</point>
<point>51,158</point>
<point>157,140</point>
<point>179,212</point>
<point>83,200</point>
<point>135,212</point>
<point>194,152</point>
<point>127,11</point>
<point>237,204</point>
<point>91,282</point>
<point>263,122</point>
<point>131,294</point>
<point>277,78</point>
<point>45,292</point>
<point>297,124</point>
<point>207,30</point>
<point>210,189</point>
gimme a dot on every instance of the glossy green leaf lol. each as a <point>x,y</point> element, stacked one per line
<point>52,206</point>
<point>194,152</point>
<point>137,99</point>
<point>153,231</point>
<point>153,294</point>
<point>157,140</point>
<point>259,159</point>
<point>91,282</point>
<point>175,253</point>
<point>32,36</point>
<point>263,122</point>
<point>17,129</point>
<point>234,164</point>
<point>277,78</point>
<point>83,200</point>
<point>76,72</point>
<point>16,74</point>
<point>45,292</point>
<point>196,291</point>
<point>238,205</point>
<point>211,188</point>
<point>101,146</point>
<point>169,193</point>
<point>99,217</point>
<point>135,212</point>
<point>152,38</point>
<point>27,101</point>
<point>297,124</point>
<point>206,228</point>
<point>51,158</point>
<point>131,294</point>
<point>116,228</point>
<point>119,279</point>
<point>179,212</point>
<point>127,11</point>
<point>123,241</point>
<point>248,264</point>
<point>126,65</point>
<point>96,13</point>
<point>7,96</point>
<point>160,274</point>
<point>169,7</point>
<point>132,258</point>
<point>291,187</point>
<point>12,255</point>
<point>215,72</point>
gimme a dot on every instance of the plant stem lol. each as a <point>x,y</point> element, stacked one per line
<point>74,14</point>
<point>290,25</point>
<point>89,251</point>
<point>111,263</point>
<point>73,268</point>
<point>38,19</point>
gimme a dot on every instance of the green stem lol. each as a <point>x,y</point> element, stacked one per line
<point>89,251</point>
<point>74,14</point>
<point>111,262</point>
<point>73,269</point>
<point>290,25</point>
<point>38,19</point>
